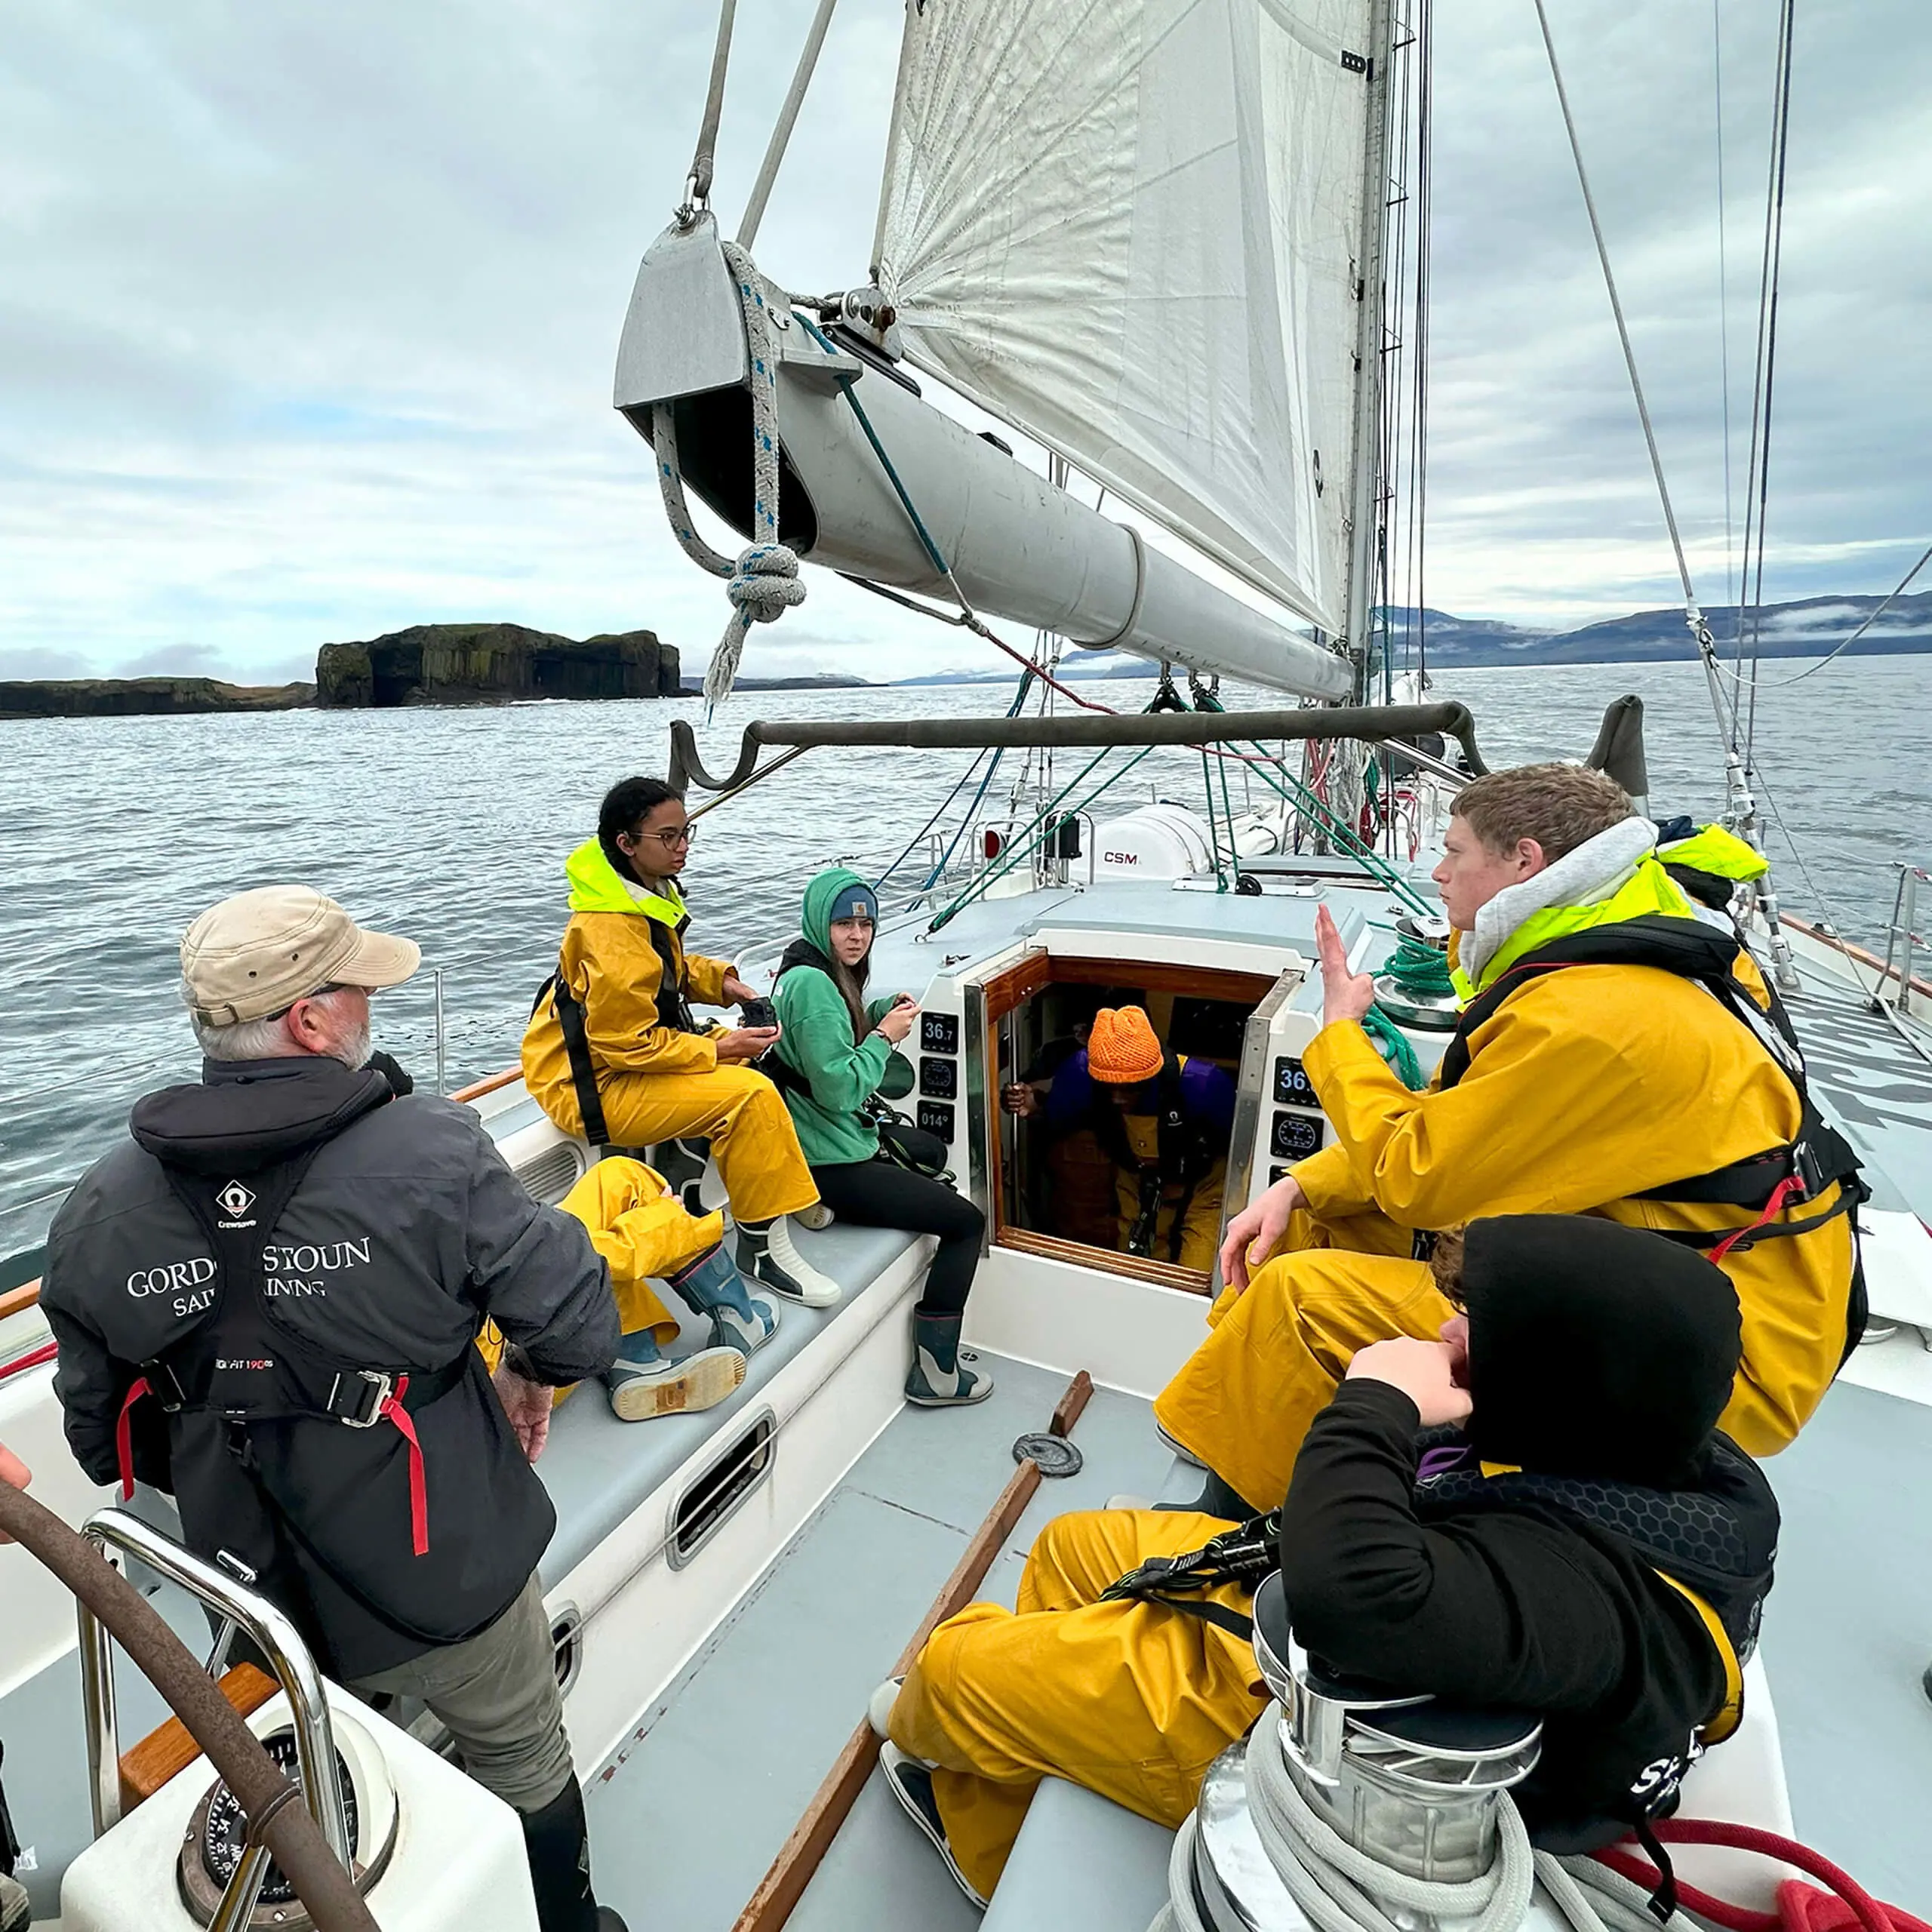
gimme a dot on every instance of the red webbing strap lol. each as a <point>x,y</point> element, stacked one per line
<point>1864,1911</point>
<point>124,1436</point>
<point>1792,1184</point>
<point>419,1487</point>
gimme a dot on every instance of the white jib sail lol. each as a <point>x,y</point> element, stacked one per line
<point>1128,229</point>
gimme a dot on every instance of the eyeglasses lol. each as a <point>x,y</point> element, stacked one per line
<point>683,835</point>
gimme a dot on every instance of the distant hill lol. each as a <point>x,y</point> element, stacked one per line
<point>817,681</point>
<point>1808,628</point>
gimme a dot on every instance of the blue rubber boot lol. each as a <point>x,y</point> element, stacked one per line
<point>645,1383</point>
<point>940,1378</point>
<point>713,1286</point>
<point>682,1164</point>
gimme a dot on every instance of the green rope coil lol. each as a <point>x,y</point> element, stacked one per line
<point>1419,969</point>
<point>1393,1045</point>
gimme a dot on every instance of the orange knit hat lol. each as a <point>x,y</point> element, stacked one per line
<point>1122,1049</point>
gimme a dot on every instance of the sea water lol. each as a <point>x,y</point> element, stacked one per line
<point>451,826</point>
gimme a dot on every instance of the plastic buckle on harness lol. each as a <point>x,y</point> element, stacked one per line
<point>379,1388</point>
<point>1809,1170</point>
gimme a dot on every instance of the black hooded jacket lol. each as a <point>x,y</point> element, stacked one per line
<point>405,1229</point>
<point>1600,1358</point>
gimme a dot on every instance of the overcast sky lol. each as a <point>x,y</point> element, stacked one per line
<point>308,312</point>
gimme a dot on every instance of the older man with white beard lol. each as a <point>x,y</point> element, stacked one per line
<point>266,1301</point>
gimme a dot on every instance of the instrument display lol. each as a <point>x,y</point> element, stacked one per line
<point>1292,1088</point>
<point>938,1079</point>
<point>939,1032</point>
<point>1296,1136</point>
<point>935,1117</point>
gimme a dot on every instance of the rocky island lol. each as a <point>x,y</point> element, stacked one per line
<point>143,697</point>
<point>493,663</point>
<point>427,664</point>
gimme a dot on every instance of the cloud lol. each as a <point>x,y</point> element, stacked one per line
<point>308,314</point>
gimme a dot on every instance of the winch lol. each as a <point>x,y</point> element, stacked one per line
<point>1400,1799</point>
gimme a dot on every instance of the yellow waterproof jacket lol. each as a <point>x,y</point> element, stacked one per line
<point>1585,1089</point>
<point>615,953</point>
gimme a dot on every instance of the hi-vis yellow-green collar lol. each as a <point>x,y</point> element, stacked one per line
<point>1720,852</point>
<point>1614,876</point>
<point>597,886</point>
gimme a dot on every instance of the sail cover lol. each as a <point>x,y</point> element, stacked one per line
<point>1128,228</point>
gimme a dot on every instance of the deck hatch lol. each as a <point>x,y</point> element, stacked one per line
<point>713,1497</point>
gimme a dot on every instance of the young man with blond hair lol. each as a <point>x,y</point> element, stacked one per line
<point>1619,1055</point>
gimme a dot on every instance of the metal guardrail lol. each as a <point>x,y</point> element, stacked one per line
<point>274,1634</point>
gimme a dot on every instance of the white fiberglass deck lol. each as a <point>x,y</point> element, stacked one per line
<point>687,1817</point>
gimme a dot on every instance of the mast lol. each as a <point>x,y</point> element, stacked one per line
<point>1365,481</point>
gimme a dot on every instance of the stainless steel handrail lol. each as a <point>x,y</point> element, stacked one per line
<point>272,1632</point>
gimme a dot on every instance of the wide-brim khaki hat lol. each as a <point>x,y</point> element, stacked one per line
<point>259,952</point>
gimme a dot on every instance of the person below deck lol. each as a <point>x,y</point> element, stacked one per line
<point>1593,1071</point>
<point>1534,1510</point>
<point>614,1053</point>
<point>639,1224</point>
<point>264,1303</point>
<point>1163,1120</point>
<point>833,1051</point>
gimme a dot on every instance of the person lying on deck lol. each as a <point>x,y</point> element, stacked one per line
<point>614,1053</point>
<point>834,1048</point>
<point>1163,1119</point>
<point>638,1222</point>
<point>1586,1546</point>
<point>1593,1071</point>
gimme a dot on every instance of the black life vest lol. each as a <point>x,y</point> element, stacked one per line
<point>1187,1152</point>
<point>1765,1184</point>
<point>250,1373</point>
<point>1715,1544</point>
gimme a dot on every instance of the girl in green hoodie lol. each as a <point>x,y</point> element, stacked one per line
<point>835,1044</point>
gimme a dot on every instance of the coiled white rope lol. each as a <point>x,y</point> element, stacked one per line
<point>763,583</point>
<point>1341,1889</point>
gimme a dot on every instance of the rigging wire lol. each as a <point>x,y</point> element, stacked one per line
<point>1769,276</point>
<point>1616,308</point>
<point>697,181</point>
<point>1723,350</point>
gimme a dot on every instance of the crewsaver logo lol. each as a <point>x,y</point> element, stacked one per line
<point>235,1201</point>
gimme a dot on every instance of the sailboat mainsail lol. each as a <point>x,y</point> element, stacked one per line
<point>1128,228</point>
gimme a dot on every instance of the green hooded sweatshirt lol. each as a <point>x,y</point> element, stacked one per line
<point>817,1043</point>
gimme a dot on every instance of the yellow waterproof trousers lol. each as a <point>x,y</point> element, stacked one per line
<point>739,1112</point>
<point>1133,1701</point>
<point>1245,1399</point>
<point>641,1229</point>
<point>1201,1228</point>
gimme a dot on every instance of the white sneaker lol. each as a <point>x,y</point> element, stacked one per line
<point>1124,1502</point>
<point>818,1217</point>
<point>878,1712</point>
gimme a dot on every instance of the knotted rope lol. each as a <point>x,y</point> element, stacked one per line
<point>764,581</point>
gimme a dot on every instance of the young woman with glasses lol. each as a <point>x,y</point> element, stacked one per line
<point>624,989</point>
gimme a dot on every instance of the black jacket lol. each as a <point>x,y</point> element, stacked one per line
<point>1502,1607</point>
<point>406,1229</point>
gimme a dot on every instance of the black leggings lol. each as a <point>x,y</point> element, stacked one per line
<point>881,1194</point>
